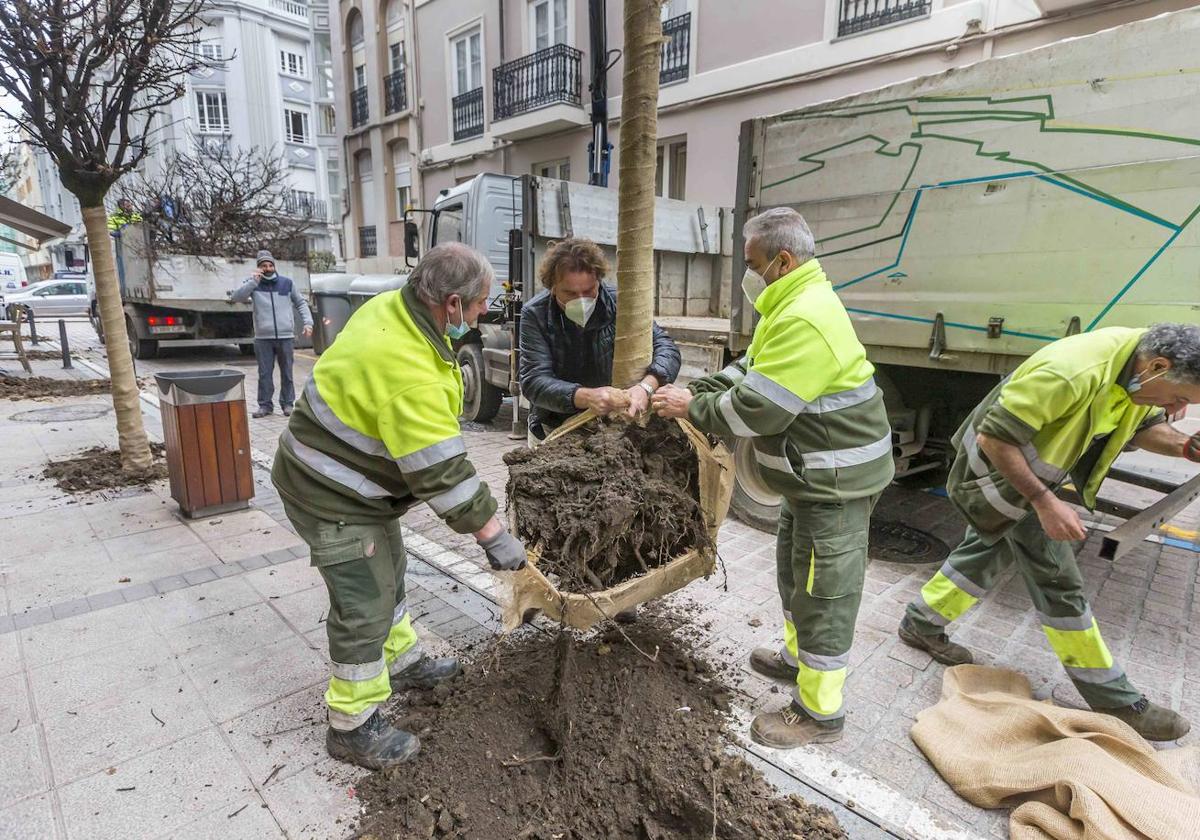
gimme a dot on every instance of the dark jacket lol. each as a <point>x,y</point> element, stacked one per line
<point>558,357</point>
<point>274,302</point>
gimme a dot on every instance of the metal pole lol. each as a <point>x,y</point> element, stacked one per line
<point>63,345</point>
<point>33,336</point>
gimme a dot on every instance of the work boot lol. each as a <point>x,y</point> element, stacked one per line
<point>262,412</point>
<point>770,663</point>
<point>792,727</point>
<point>376,745</point>
<point>628,616</point>
<point>1150,720</point>
<point>939,647</point>
<point>425,673</point>
<point>287,411</point>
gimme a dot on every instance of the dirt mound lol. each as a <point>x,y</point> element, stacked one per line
<point>548,738</point>
<point>99,468</point>
<point>607,502</point>
<point>37,387</point>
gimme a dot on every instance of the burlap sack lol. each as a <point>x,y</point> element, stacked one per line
<point>531,591</point>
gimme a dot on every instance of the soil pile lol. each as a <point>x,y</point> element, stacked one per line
<point>608,501</point>
<point>99,468</point>
<point>550,738</point>
<point>36,387</point>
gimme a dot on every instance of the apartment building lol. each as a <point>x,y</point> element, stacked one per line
<point>439,91</point>
<point>272,88</point>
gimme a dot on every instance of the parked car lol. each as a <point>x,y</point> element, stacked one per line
<point>49,299</point>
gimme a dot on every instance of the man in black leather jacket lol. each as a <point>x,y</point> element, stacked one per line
<point>566,341</point>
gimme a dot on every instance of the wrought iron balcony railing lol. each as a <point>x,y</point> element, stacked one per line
<point>547,77</point>
<point>359,111</point>
<point>395,92</point>
<point>861,15</point>
<point>676,49</point>
<point>467,114</point>
<point>367,246</point>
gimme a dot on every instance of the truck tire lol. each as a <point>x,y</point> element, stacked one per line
<point>97,324</point>
<point>753,502</point>
<point>481,399</point>
<point>140,348</point>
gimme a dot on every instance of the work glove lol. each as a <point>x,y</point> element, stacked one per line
<point>504,552</point>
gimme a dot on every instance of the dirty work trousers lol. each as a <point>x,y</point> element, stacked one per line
<point>268,351</point>
<point>1055,584</point>
<point>369,627</point>
<point>821,562</point>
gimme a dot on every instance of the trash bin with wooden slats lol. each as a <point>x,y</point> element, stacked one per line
<point>207,440</point>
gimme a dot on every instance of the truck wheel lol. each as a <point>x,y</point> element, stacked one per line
<point>140,348</point>
<point>753,501</point>
<point>97,324</point>
<point>481,399</point>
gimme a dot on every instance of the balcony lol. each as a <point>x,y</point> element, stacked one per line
<point>359,111</point>
<point>538,93</point>
<point>303,207</point>
<point>467,114</point>
<point>294,10</point>
<point>395,92</point>
<point>856,16</point>
<point>367,246</point>
<point>676,49</point>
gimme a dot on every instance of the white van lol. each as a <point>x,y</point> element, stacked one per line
<point>12,273</point>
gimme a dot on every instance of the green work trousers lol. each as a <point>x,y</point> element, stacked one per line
<point>1055,584</point>
<point>370,631</point>
<point>821,562</point>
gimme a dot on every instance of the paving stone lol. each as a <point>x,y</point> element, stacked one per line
<point>138,591</point>
<point>197,576</point>
<point>106,599</point>
<point>258,561</point>
<point>32,618</point>
<point>169,584</point>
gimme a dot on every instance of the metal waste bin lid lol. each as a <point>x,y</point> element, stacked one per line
<point>189,387</point>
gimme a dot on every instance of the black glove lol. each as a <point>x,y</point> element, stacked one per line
<point>504,552</point>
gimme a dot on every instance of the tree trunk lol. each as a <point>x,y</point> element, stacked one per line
<point>637,148</point>
<point>131,434</point>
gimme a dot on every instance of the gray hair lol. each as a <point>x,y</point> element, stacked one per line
<point>451,269</point>
<point>1179,343</point>
<point>781,229</point>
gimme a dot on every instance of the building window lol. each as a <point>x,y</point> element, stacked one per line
<point>333,177</point>
<point>360,76</point>
<point>328,120</point>
<point>324,66</point>
<point>295,125</point>
<point>212,112</point>
<point>547,23</point>
<point>356,30</point>
<point>560,169</point>
<point>367,246</point>
<point>396,56</point>
<point>856,16</point>
<point>211,51</point>
<point>671,169</point>
<point>293,63</point>
<point>467,54</point>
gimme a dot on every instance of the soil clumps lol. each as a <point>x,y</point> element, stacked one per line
<point>99,468</point>
<point>38,387</point>
<point>550,737</point>
<point>609,501</point>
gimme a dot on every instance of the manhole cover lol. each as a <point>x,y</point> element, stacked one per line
<point>894,542</point>
<point>62,413</point>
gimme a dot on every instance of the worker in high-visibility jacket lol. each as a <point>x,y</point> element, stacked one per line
<point>374,433</point>
<point>1064,415</point>
<point>806,396</point>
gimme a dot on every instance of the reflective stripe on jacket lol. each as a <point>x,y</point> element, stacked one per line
<point>806,394</point>
<point>1067,408</point>
<point>376,429</point>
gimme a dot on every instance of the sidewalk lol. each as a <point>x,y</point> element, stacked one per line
<point>1145,604</point>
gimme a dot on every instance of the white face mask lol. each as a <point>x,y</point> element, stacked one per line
<point>753,283</point>
<point>1136,382</point>
<point>580,310</point>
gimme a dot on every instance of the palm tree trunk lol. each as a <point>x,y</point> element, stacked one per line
<point>131,434</point>
<point>637,148</point>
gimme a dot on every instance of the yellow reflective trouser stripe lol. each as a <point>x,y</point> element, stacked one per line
<point>790,650</point>
<point>401,640</point>
<point>944,598</point>
<point>352,701</point>
<point>812,571</point>
<point>820,692</point>
<point>1080,648</point>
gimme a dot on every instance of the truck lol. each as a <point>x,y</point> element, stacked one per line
<point>966,219</point>
<point>182,300</point>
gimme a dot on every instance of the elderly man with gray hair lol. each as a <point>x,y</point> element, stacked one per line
<point>374,433</point>
<point>805,394</point>
<point>1064,415</point>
